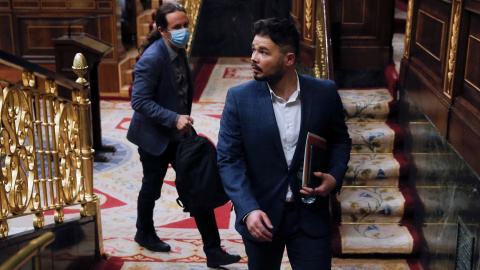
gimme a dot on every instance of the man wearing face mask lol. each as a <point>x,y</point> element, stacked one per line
<point>162,99</point>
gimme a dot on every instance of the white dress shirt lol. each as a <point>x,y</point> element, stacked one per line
<point>288,115</point>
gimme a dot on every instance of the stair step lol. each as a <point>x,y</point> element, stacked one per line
<point>376,264</point>
<point>372,204</point>
<point>362,105</point>
<point>371,137</point>
<point>375,170</point>
<point>369,239</point>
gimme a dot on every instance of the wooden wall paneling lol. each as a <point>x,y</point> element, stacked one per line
<point>37,32</point>
<point>423,66</point>
<point>469,60</point>
<point>427,98</point>
<point>6,36</point>
<point>464,129</point>
<point>296,7</point>
<point>36,22</point>
<point>4,4</point>
<point>365,32</point>
<point>430,36</point>
<point>307,40</point>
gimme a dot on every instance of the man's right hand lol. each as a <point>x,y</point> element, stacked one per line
<point>184,123</point>
<point>255,224</point>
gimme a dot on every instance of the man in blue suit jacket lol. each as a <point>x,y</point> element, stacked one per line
<point>261,146</point>
<point>162,99</point>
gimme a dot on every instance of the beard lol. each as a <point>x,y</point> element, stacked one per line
<point>272,78</point>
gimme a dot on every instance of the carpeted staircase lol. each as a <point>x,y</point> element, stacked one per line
<point>372,213</point>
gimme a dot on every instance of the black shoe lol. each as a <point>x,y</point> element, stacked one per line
<point>151,242</point>
<point>221,257</point>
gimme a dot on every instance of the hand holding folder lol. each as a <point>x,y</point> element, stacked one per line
<point>315,160</point>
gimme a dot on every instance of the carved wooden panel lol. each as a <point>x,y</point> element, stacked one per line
<point>6,37</point>
<point>464,133</point>
<point>362,32</point>
<point>472,70</point>
<point>430,33</point>
<point>4,4</point>
<point>430,36</point>
<point>354,15</point>
<point>422,73</point>
<point>442,70</point>
<point>36,22</point>
<point>37,34</point>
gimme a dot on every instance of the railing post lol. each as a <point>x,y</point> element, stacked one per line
<point>92,207</point>
<point>86,139</point>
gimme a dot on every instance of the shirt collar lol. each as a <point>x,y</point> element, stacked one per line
<point>171,52</point>
<point>294,96</point>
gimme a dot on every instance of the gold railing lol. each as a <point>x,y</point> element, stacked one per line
<point>192,7</point>
<point>45,145</point>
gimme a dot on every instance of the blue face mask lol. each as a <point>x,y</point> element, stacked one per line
<point>180,37</point>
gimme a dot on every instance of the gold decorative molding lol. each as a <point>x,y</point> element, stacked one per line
<point>321,63</point>
<point>308,22</point>
<point>192,7</point>
<point>408,30</point>
<point>321,68</point>
<point>452,47</point>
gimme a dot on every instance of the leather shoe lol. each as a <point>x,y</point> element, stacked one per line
<point>151,242</point>
<point>221,257</point>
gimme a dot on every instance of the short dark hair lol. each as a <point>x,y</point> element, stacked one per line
<point>281,31</point>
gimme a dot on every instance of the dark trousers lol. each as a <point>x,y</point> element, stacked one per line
<point>154,170</point>
<point>304,252</point>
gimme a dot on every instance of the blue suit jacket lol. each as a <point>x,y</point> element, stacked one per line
<point>251,159</point>
<point>155,99</point>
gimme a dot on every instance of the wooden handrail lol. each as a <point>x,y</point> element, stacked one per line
<point>22,64</point>
<point>32,250</point>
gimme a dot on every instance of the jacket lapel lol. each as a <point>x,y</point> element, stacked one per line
<point>168,67</point>
<point>266,110</point>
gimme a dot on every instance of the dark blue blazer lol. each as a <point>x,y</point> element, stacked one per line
<point>251,159</point>
<point>155,99</point>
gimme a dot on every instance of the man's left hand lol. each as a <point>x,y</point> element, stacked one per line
<point>328,184</point>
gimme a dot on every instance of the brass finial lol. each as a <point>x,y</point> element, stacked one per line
<point>80,67</point>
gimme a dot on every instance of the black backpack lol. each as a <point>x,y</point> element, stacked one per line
<point>198,181</point>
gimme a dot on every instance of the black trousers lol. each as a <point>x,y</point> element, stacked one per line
<point>304,252</point>
<point>154,170</point>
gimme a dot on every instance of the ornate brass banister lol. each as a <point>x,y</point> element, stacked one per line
<point>45,145</point>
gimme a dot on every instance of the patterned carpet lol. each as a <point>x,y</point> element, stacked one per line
<point>370,208</point>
